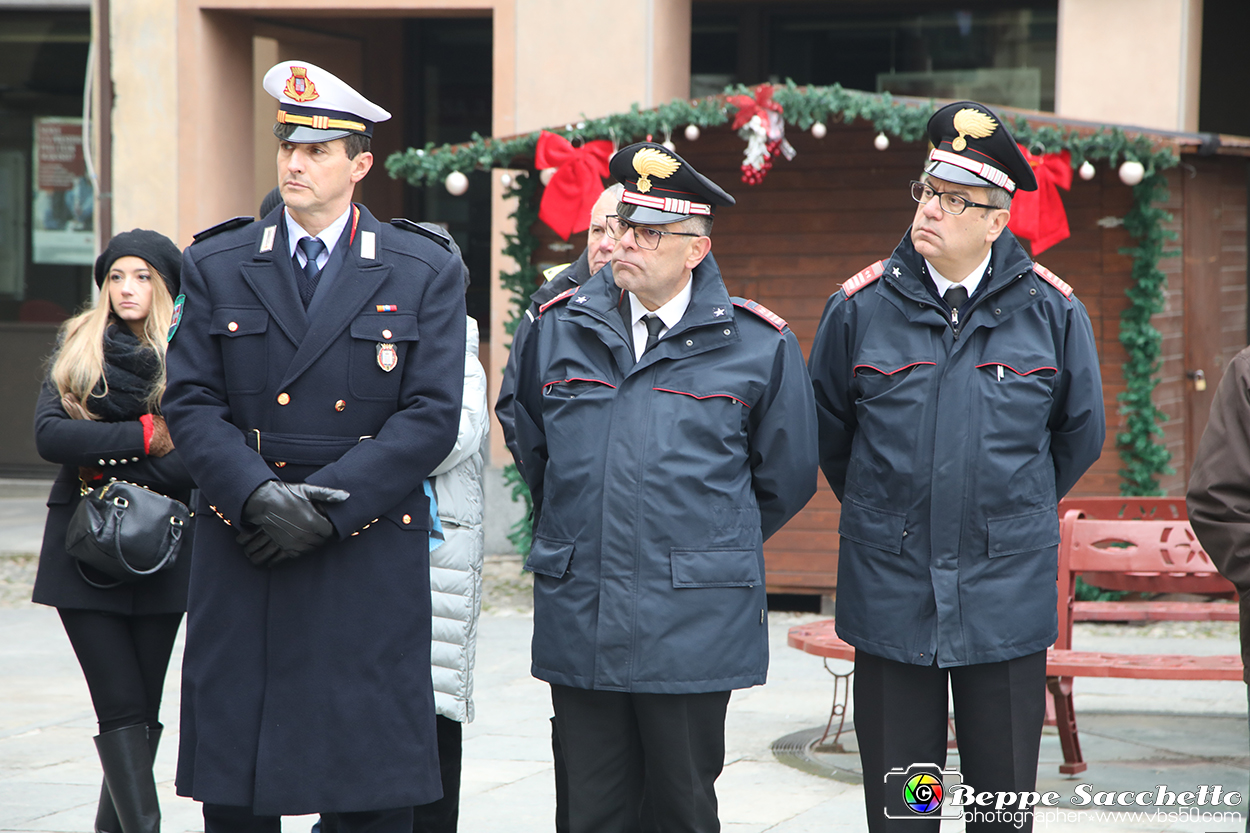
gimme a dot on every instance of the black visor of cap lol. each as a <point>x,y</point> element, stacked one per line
<point>303,135</point>
<point>953,173</point>
<point>642,215</point>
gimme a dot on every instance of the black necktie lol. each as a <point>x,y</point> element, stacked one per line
<point>955,298</point>
<point>654,324</point>
<point>312,248</point>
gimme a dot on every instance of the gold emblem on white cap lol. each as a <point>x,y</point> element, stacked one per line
<point>974,123</point>
<point>299,87</point>
<point>650,162</point>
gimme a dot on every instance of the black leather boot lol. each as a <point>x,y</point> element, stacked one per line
<point>126,757</point>
<point>105,815</point>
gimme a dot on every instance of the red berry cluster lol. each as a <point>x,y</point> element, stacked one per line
<point>750,175</point>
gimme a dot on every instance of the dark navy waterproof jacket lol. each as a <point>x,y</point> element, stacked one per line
<point>656,485</point>
<point>950,451</point>
<point>306,686</point>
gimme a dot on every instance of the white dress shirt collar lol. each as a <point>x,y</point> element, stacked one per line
<point>969,283</point>
<point>670,313</point>
<point>329,235</point>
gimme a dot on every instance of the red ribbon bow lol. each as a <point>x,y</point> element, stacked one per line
<point>748,107</point>
<point>1038,216</point>
<point>577,183</point>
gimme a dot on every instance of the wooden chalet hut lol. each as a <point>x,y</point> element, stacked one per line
<point>842,204</point>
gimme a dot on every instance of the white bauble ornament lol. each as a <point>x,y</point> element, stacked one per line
<point>457,183</point>
<point>819,130</point>
<point>505,180</point>
<point>881,142</point>
<point>668,143</point>
<point>1132,172</point>
<point>692,132</point>
<point>1086,171</point>
<point>546,175</point>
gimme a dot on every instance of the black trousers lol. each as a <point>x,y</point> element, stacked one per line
<point>222,818</point>
<point>900,719</point>
<point>124,659</point>
<point>614,741</point>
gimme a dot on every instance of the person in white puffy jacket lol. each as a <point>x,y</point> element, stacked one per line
<point>456,588</point>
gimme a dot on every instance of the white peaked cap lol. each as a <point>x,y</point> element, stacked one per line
<point>315,105</point>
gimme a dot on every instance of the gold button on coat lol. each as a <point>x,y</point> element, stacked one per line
<point>386,334</point>
<point>340,405</point>
<point>232,326</point>
<point>284,398</point>
<point>407,519</point>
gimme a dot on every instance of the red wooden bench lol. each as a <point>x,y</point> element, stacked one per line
<point>1155,551</point>
<point>1157,509</point>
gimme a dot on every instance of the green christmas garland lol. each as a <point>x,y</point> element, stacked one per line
<point>1145,457</point>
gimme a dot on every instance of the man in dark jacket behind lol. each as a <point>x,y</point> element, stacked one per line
<point>599,246</point>
<point>665,430</point>
<point>1219,489</point>
<point>959,398</point>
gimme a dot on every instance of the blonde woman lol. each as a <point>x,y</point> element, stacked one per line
<point>99,417</point>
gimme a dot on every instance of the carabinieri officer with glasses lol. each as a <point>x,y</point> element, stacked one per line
<point>666,430</point>
<point>959,398</point>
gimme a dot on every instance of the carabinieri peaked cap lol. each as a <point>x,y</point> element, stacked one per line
<point>316,106</point>
<point>661,187</point>
<point>972,146</point>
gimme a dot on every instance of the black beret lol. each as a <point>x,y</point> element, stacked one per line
<point>661,187</point>
<point>972,146</point>
<point>155,248</point>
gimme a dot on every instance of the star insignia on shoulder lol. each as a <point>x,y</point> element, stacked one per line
<point>718,312</point>
<point>897,272</point>
<point>580,299</point>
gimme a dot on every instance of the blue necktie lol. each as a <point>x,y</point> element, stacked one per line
<point>312,249</point>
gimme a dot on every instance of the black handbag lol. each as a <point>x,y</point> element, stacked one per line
<point>126,531</point>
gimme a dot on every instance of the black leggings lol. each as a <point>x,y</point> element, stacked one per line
<point>124,659</point>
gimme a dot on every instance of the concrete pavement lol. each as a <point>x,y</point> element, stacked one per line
<point>1136,734</point>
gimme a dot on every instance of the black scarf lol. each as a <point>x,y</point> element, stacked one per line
<point>131,368</point>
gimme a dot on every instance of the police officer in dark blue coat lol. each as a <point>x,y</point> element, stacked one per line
<point>959,398</point>
<point>316,367</point>
<point>665,431</point>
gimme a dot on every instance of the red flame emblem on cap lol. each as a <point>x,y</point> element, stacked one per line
<point>299,87</point>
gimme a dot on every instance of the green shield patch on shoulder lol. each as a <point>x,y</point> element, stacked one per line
<point>176,318</point>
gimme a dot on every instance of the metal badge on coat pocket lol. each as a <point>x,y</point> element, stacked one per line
<point>387,357</point>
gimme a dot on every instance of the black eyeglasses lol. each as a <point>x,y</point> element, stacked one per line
<point>950,203</point>
<point>646,237</point>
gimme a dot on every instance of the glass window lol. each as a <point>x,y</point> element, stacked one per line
<point>1000,55</point>
<point>45,202</point>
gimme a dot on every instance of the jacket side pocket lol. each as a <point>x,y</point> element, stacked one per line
<point>550,557</point>
<point>1029,532</point>
<point>874,527</point>
<point>715,568</point>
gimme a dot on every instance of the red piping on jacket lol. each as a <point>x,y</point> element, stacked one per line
<point>1013,370</point>
<point>707,396</point>
<point>577,379</point>
<point>855,369</point>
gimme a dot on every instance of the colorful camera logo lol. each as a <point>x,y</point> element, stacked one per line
<point>921,791</point>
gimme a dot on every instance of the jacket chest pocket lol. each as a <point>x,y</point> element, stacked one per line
<point>1017,390</point>
<point>244,348</point>
<point>693,404</point>
<point>380,343</point>
<point>878,378</point>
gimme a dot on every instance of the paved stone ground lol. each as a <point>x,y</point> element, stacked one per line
<point>1136,734</point>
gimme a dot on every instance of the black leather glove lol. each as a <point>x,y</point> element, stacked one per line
<point>288,521</point>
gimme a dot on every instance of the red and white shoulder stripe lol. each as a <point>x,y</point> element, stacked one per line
<point>864,278</point>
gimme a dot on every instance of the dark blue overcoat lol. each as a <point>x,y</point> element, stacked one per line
<point>950,452</point>
<point>306,687</point>
<point>657,483</point>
